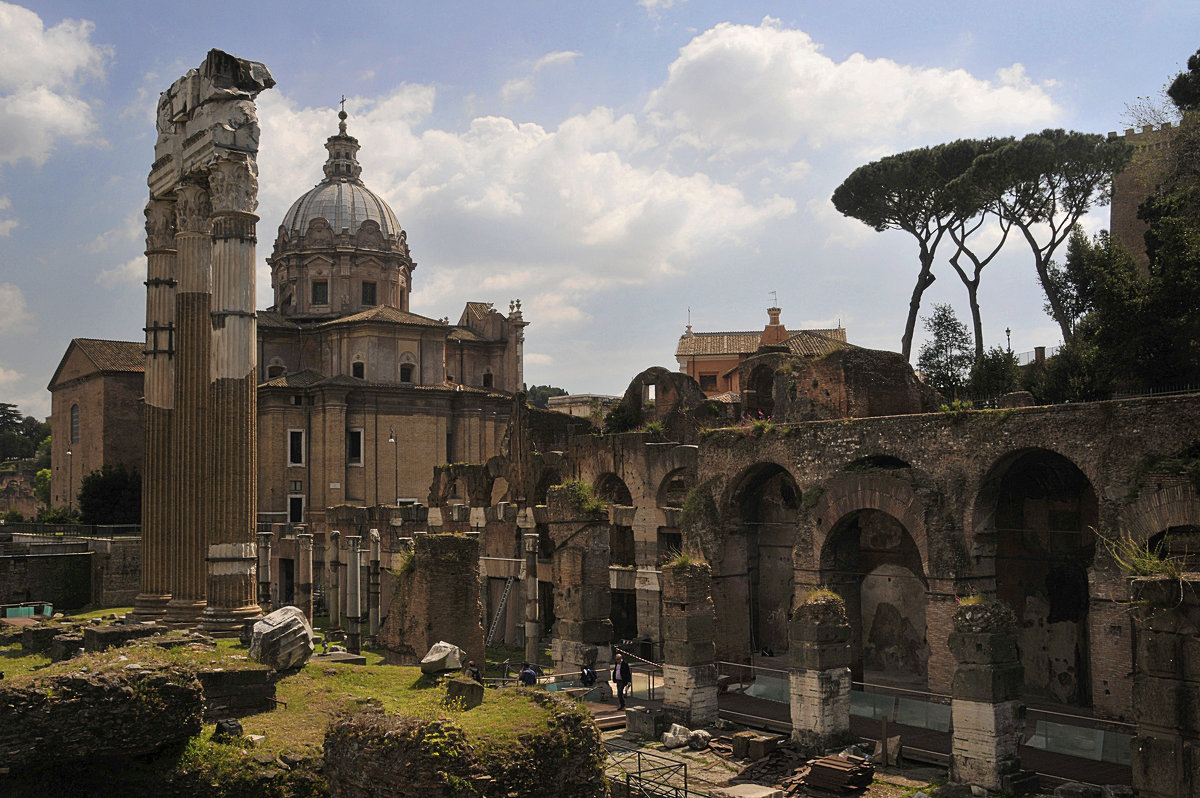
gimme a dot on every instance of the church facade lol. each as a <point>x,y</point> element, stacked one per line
<point>359,398</point>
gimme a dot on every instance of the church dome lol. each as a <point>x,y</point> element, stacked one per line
<point>341,198</point>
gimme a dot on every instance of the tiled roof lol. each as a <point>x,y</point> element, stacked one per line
<point>815,343</point>
<point>387,314</point>
<point>301,379</point>
<point>729,398</point>
<point>273,319</point>
<point>113,355</point>
<point>718,343</point>
<point>478,309</point>
<point>745,343</point>
<point>465,334</point>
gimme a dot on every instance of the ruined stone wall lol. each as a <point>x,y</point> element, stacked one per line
<point>436,598</point>
<point>116,571</point>
<point>63,580</point>
<point>935,474</point>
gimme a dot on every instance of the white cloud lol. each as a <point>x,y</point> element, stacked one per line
<point>7,225</point>
<point>742,87</point>
<point>654,6</point>
<point>132,271</point>
<point>538,359</point>
<point>130,230</point>
<point>16,315</point>
<point>40,70</point>
<point>9,375</point>
<point>519,88</point>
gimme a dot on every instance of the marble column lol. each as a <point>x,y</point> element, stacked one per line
<point>158,502</point>
<point>304,572</point>
<point>533,626</point>
<point>233,397</point>
<point>191,466</point>
<point>354,592</point>
<point>373,584</point>
<point>333,592</point>
<point>264,572</point>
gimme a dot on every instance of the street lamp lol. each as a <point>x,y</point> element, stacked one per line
<point>70,477</point>
<point>395,462</point>
<point>1008,335</point>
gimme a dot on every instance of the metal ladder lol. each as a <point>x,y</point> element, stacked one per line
<point>500,610</point>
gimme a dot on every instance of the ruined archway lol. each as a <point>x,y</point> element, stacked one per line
<point>1038,514</point>
<point>764,505</point>
<point>611,489</point>
<point>872,561</point>
<point>673,490</point>
<point>759,395</point>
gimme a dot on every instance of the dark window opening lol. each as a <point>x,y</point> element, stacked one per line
<point>368,293</point>
<point>295,509</point>
<point>621,547</point>
<point>354,447</point>
<point>295,447</point>
<point>74,423</point>
<point>708,382</point>
<point>406,372</point>
<point>358,369</point>
<point>320,292</point>
<point>487,379</point>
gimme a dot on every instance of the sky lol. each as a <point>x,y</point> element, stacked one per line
<point>619,167</point>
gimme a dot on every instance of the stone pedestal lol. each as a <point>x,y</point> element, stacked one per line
<point>689,655</point>
<point>1166,751</point>
<point>819,670</point>
<point>985,709</point>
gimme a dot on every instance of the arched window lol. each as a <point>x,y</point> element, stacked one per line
<point>74,423</point>
<point>408,367</point>
<point>488,379</point>
<point>275,368</point>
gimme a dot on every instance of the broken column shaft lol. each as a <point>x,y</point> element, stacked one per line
<point>819,669</point>
<point>689,653</point>
<point>304,572</point>
<point>533,627</point>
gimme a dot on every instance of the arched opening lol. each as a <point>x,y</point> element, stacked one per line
<point>275,368</point>
<point>611,489</point>
<point>766,503</point>
<point>549,478</point>
<point>760,391</point>
<point>871,560</point>
<point>1040,513</point>
<point>876,462</point>
<point>673,490</point>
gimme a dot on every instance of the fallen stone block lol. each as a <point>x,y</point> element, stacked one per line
<point>467,691</point>
<point>698,740</point>
<point>746,791</point>
<point>645,722</point>
<point>676,736</point>
<point>442,656</point>
<point>282,640</point>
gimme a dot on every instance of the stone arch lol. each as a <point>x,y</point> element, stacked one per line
<point>276,368</point>
<point>673,489</point>
<point>1035,517</point>
<point>871,560</point>
<point>846,493</point>
<point>611,489</point>
<point>872,462</point>
<point>763,505</point>
<point>1174,503</point>
<point>549,477</point>
<point>759,393</point>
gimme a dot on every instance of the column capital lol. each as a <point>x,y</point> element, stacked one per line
<point>233,184</point>
<point>193,209</point>
<point>160,225</point>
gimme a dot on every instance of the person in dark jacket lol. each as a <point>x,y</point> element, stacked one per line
<point>527,676</point>
<point>622,676</point>
<point>472,672</point>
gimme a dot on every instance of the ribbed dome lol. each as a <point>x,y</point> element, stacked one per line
<point>341,198</point>
<point>345,203</point>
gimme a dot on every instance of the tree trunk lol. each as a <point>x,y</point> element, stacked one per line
<point>1042,263</point>
<point>924,280</point>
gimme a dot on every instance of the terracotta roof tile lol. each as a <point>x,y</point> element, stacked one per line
<point>387,314</point>
<point>113,355</point>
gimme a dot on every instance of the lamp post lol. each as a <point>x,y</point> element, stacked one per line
<point>1008,335</point>
<point>70,478</point>
<point>395,463</point>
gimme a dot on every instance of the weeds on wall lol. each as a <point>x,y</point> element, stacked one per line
<point>1142,560</point>
<point>582,498</point>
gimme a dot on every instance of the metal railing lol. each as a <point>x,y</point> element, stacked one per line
<point>107,531</point>
<point>647,672</point>
<point>645,774</point>
<point>756,681</point>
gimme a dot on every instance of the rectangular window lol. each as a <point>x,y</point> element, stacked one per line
<point>320,292</point>
<point>368,293</point>
<point>296,486</point>
<point>295,509</point>
<point>295,447</point>
<point>354,439</point>
<point>708,382</point>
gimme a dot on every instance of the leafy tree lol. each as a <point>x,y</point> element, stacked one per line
<point>974,208</point>
<point>111,495</point>
<point>1043,184</point>
<point>994,374</point>
<point>41,486</point>
<point>10,417</point>
<point>538,394</point>
<point>1184,90</point>
<point>906,192</point>
<point>947,356</point>
<point>12,516</point>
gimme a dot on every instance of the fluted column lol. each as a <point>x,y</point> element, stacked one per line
<point>189,432</point>
<point>157,500</point>
<point>354,597</point>
<point>304,573</point>
<point>233,405</point>
<point>264,571</point>
<point>334,588</point>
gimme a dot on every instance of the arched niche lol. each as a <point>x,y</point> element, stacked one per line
<point>764,505</point>
<point>1037,513</point>
<point>759,395</point>
<point>872,561</point>
<point>673,490</point>
<point>611,489</point>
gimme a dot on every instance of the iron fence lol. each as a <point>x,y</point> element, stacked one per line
<point>108,531</point>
